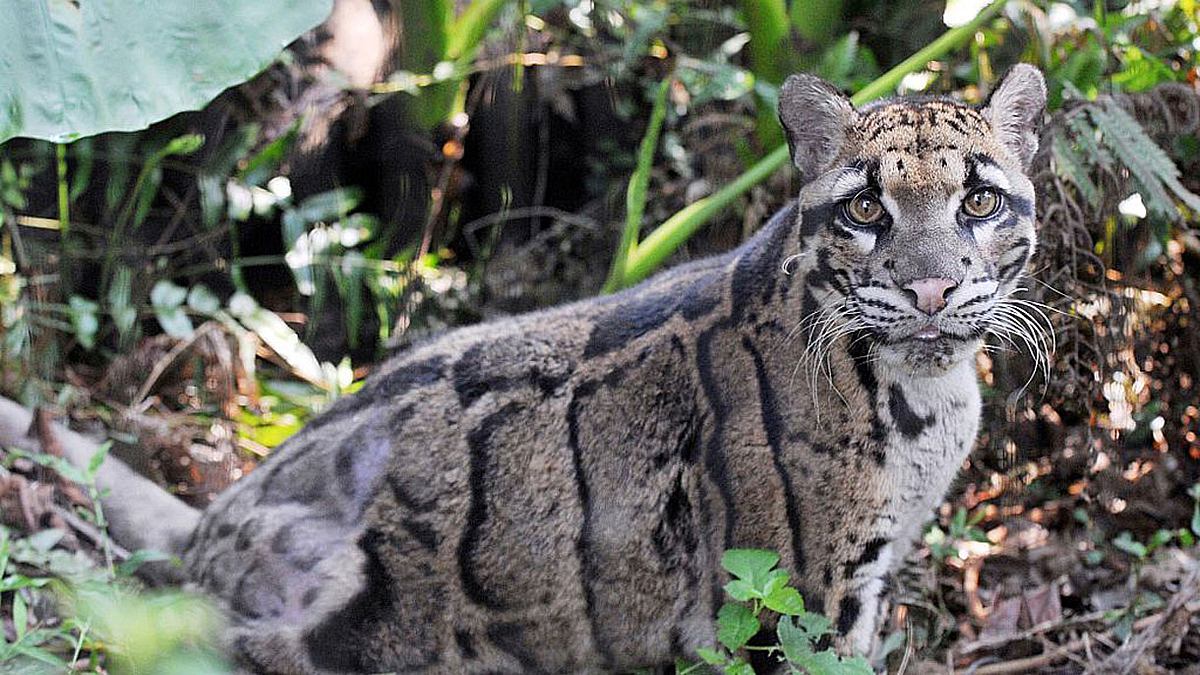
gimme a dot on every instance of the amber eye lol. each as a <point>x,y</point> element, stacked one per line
<point>864,208</point>
<point>981,203</point>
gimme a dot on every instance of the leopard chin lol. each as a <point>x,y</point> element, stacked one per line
<point>928,358</point>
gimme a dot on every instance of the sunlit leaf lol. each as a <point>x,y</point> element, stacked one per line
<point>73,69</point>
<point>84,321</point>
<point>753,565</point>
<point>167,299</point>
<point>785,600</point>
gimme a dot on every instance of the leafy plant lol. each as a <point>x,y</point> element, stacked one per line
<point>104,621</point>
<point>759,586</point>
<point>1099,139</point>
<point>1142,551</point>
<point>434,60</point>
<point>942,543</point>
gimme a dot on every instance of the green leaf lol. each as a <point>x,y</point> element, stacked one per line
<point>330,205</point>
<point>736,624</point>
<point>1186,538</point>
<point>97,459</point>
<point>203,301</point>
<point>857,665</point>
<point>753,565</point>
<point>279,337</point>
<point>20,616</point>
<point>740,589</point>
<point>816,625</point>
<point>710,656</point>
<point>1125,542</point>
<point>820,663</point>
<point>1194,491</point>
<point>123,313</point>
<point>73,69</point>
<point>793,639</point>
<point>467,31</point>
<point>785,600</point>
<point>1159,538</point>
<point>635,193</point>
<point>84,321</point>
<point>167,300</point>
<point>39,654</point>
<point>739,667</point>
<point>166,295</point>
<point>776,579</point>
<point>1070,165</point>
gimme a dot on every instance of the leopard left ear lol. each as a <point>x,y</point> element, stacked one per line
<point>1015,110</point>
<point>817,118</point>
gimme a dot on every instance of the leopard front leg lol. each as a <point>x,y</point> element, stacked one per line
<point>854,599</point>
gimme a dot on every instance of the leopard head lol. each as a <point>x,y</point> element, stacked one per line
<point>917,216</point>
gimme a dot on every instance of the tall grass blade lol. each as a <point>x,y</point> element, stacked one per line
<point>635,194</point>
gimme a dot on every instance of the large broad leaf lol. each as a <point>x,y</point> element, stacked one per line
<point>73,68</point>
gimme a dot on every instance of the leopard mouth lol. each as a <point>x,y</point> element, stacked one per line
<point>926,333</point>
<point>932,334</point>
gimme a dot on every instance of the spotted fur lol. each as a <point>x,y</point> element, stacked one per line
<point>553,492</point>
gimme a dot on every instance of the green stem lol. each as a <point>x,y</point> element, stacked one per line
<point>646,256</point>
<point>64,198</point>
<point>662,242</point>
<point>635,195</point>
<point>817,21</point>
<point>770,50</point>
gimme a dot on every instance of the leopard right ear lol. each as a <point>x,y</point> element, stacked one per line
<point>817,118</point>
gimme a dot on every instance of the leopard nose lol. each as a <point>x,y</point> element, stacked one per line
<point>929,295</point>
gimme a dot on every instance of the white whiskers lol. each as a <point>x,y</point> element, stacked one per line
<point>1020,322</point>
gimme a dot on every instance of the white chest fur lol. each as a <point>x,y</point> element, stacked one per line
<point>932,424</point>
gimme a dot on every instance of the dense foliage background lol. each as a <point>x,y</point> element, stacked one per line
<point>198,289</point>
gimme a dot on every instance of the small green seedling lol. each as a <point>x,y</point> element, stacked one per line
<point>759,586</point>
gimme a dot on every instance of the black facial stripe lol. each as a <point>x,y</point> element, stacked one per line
<point>967,316</point>
<point>978,158</point>
<point>878,304</point>
<point>974,301</point>
<point>816,217</point>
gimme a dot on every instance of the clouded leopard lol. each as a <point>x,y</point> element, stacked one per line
<point>553,492</point>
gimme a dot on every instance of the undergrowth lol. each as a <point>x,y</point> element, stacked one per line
<point>82,611</point>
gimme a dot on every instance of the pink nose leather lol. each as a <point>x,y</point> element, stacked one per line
<point>929,295</point>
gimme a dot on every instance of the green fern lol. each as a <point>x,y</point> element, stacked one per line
<point>1155,173</point>
<point>1107,138</point>
<point>1085,135</point>
<point>1070,165</point>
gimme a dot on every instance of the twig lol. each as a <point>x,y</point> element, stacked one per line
<point>1034,631</point>
<point>1032,663</point>
<point>1130,654</point>
<point>165,362</point>
<point>1025,665</point>
<point>88,530</point>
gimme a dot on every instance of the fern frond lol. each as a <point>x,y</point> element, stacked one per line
<point>1130,143</point>
<point>1158,158</point>
<point>1153,169</point>
<point>1069,165</point>
<point>1085,135</point>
